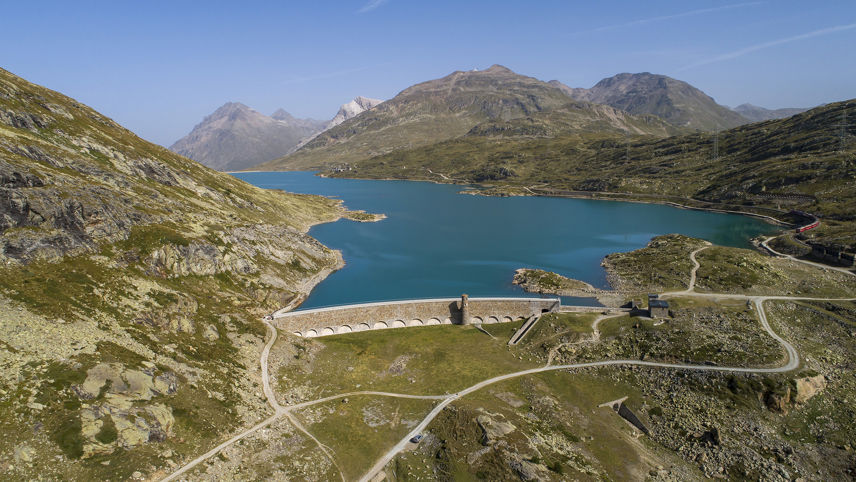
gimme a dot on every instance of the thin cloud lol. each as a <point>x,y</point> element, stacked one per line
<point>766,45</point>
<point>661,18</point>
<point>371,5</point>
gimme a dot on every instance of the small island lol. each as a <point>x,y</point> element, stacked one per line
<point>540,281</point>
<point>364,217</point>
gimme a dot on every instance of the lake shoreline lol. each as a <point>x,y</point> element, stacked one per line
<point>432,240</point>
<point>593,195</point>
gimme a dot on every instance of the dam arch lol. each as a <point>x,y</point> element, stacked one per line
<point>412,313</point>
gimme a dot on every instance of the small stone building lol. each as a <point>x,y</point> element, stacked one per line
<point>658,308</point>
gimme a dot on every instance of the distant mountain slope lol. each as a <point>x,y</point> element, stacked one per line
<point>675,101</point>
<point>132,283</point>
<point>436,111</point>
<point>236,137</point>
<point>352,109</point>
<point>792,163</point>
<point>758,114</point>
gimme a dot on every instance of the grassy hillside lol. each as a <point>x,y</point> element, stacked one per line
<point>131,285</point>
<point>793,163</point>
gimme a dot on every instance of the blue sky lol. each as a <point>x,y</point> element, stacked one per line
<point>159,67</point>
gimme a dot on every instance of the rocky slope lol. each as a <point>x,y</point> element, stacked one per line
<point>758,114</point>
<point>352,109</point>
<point>675,101</point>
<point>237,137</point>
<point>487,102</point>
<point>131,285</point>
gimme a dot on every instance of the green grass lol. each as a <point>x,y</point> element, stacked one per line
<point>441,359</point>
<point>733,270</point>
<point>587,442</point>
<point>347,428</point>
<point>663,265</point>
<point>108,433</point>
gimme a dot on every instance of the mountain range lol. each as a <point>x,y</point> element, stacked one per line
<point>479,101</point>
<point>498,101</point>
<point>236,137</point>
<point>495,100</point>
<point>758,114</point>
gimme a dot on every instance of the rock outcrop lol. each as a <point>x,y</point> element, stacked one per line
<point>808,387</point>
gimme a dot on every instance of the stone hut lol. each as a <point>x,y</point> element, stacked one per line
<point>657,308</point>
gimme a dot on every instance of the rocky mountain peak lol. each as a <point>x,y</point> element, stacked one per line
<point>675,101</point>
<point>352,109</point>
<point>232,111</point>
<point>498,69</point>
<point>282,115</point>
<point>236,137</point>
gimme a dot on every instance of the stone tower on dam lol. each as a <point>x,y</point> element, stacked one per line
<point>465,310</point>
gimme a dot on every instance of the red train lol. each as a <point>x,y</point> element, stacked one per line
<point>813,224</point>
<point>808,226</point>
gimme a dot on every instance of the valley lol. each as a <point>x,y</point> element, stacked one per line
<point>460,273</point>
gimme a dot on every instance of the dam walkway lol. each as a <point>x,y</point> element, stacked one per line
<point>409,313</point>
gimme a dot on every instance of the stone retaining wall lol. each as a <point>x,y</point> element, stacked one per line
<point>399,314</point>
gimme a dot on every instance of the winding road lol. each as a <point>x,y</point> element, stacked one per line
<point>772,251</point>
<point>792,363</point>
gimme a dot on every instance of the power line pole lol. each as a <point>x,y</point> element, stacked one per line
<point>842,135</point>
<point>627,145</point>
<point>716,144</point>
<point>842,132</point>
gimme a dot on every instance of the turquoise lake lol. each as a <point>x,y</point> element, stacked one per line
<point>438,243</point>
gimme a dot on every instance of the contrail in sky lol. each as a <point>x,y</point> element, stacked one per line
<point>772,43</point>
<point>670,17</point>
<point>371,5</point>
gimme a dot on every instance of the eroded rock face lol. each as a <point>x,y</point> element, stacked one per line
<point>107,427</point>
<point>199,259</point>
<point>492,429</point>
<point>778,401</point>
<point>527,470</point>
<point>114,418</point>
<point>808,387</point>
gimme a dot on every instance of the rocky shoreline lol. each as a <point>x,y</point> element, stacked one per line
<point>547,282</point>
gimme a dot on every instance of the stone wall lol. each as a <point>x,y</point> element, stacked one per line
<point>399,314</point>
<point>832,255</point>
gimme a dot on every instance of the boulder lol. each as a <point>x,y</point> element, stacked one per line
<point>211,333</point>
<point>24,454</point>
<point>808,387</point>
<point>97,377</point>
<point>493,430</point>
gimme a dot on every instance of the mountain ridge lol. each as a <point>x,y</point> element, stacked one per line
<point>757,114</point>
<point>675,101</point>
<point>435,111</point>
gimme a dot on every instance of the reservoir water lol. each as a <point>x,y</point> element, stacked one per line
<point>439,243</point>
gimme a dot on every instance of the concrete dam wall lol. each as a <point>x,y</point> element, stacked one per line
<point>400,314</point>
